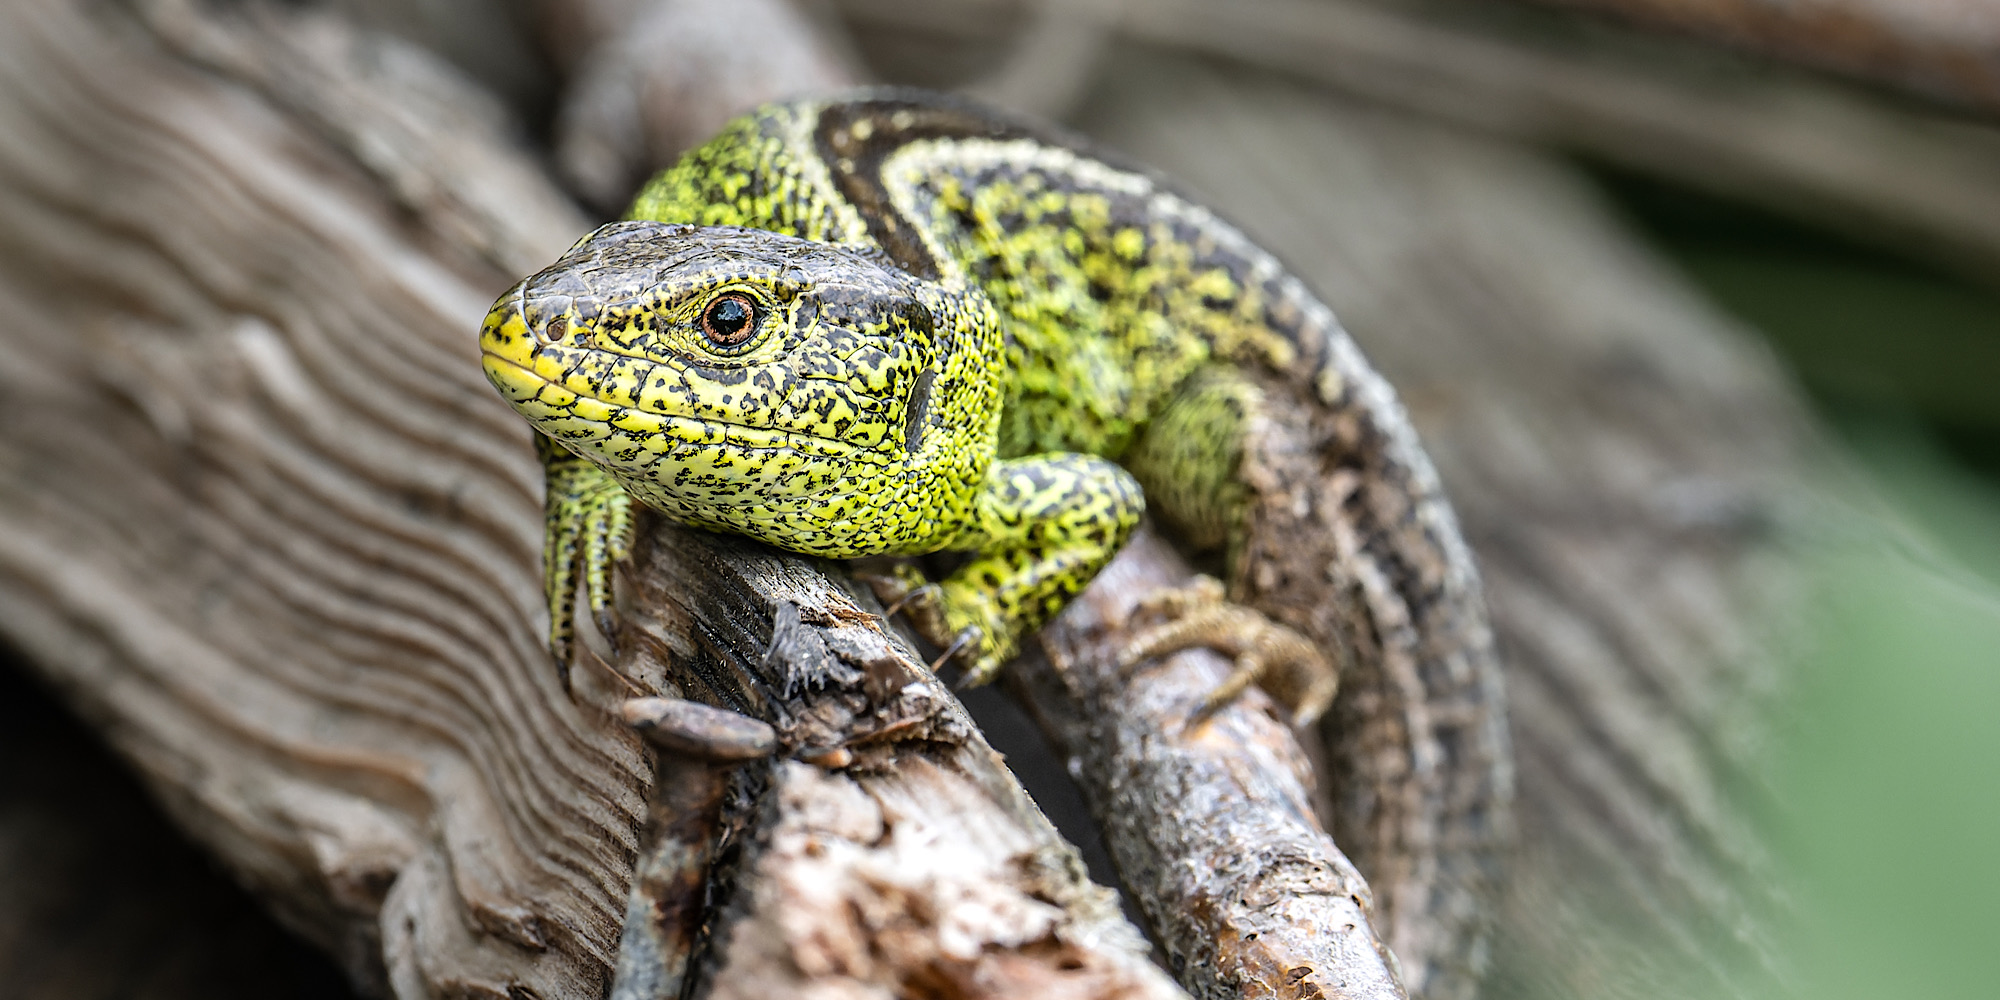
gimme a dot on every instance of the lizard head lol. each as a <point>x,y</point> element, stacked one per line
<point>709,366</point>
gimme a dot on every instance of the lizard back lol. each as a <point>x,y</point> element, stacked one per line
<point>1112,288</point>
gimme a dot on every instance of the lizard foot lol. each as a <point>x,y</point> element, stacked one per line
<point>903,588</point>
<point>1286,664</point>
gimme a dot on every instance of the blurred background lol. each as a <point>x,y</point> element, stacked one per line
<point>1771,227</point>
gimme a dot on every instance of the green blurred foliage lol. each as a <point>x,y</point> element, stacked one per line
<point>1892,778</point>
<point>1889,768</point>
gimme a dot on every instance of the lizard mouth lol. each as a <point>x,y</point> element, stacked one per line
<point>569,417</point>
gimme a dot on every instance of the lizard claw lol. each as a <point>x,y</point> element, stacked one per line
<point>607,626</point>
<point>927,592</point>
<point>1286,664</point>
<point>903,589</point>
<point>975,675</point>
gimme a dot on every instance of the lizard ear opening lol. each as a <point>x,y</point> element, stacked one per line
<point>918,409</point>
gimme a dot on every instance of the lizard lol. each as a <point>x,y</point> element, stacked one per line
<point>895,324</point>
<point>940,356</point>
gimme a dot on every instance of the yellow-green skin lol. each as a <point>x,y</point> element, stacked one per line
<point>962,327</point>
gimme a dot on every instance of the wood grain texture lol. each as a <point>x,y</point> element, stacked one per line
<point>264,525</point>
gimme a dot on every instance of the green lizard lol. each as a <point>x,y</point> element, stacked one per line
<point>897,325</point>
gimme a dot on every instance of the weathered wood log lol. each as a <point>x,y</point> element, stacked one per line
<point>286,564</point>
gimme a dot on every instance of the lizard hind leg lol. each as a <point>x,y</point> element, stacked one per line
<point>1190,461</point>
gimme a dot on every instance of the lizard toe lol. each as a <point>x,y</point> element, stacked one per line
<point>1275,657</point>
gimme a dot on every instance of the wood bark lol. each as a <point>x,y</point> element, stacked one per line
<point>260,520</point>
<point>893,855</point>
<point>1212,820</point>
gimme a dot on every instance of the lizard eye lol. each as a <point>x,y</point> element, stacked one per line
<point>729,320</point>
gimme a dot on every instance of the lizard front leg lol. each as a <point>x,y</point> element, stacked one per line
<point>1043,527</point>
<point>589,528</point>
